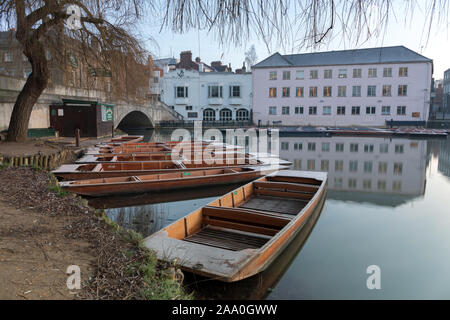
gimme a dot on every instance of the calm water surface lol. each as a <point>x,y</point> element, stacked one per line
<point>387,205</point>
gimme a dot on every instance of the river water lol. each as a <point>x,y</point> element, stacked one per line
<point>387,205</point>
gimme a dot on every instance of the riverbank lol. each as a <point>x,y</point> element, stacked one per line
<point>43,231</point>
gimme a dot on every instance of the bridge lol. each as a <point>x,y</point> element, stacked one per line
<point>126,115</point>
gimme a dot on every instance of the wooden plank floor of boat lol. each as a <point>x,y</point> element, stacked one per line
<point>227,239</point>
<point>275,204</point>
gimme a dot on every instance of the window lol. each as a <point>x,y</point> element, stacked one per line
<point>298,110</point>
<point>324,165</point>
<point>327,91</point>
<point>272,110</point>
<point>313,74</point>
<point>381,185</point>
<point>299,92</point>
<point>368,148</point>
<point>387,72</point>
<point>397,186</point>
<point>403,72</point>
<point>286,75</point>
<point>342,73</point>
<point>215,92</point>
<point>192,114</point>
<point>382,167</point>
<point>367,184</point>
<point>311,164</point>
<point>356,91</point>
<point>298,146</point>
<point>385,110</point>
<point>399,148</point>
<point>225,115</point>
<point>402,90</point>
<point>357,73</point>
<point>209,115</point>
<point>181,92</point>
<point>398,168</point>
<point>286,92</point>
<point>8,56</point>
<point>272,92</point>
<point>313,91</point>
<point>325,146</point>
<point>372,73</point>
<point>273,75</point>
<point>48,55</point>
<point>188,108</point>
<point>338,165</point>
<point>311,146</point>
<point>401,110</point>
<point>353,147</point>
<point>368,165</point>
<point>300,74</point>
<point>297,164</point>
<point>353,165</point>
<point>327,110</point>
<point>285,110</point>
<point>386,90</point>
<point>235,91</point>
<point>384,148</point>
<point>342,91</point>
<point>338,182</point>
<point>328,74</point>
<point>371,91</point>
<point>312,110</point>
<point>341,110</point>
<point>371,110</point>
<point>339,147</point>
<point>242,115</point>
<point>352,183</point>
<point>356,110</point>
<point>284,145</point>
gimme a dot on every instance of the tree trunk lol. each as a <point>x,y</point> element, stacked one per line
<point>36,83</point>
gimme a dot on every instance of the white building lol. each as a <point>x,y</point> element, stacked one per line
<point>208,96</point>
<point>362,87</point>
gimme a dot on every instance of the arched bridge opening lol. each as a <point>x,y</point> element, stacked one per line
<point>135,120</point>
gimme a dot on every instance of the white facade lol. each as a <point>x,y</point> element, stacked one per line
<point>342,95</point>
<point>208,96</point>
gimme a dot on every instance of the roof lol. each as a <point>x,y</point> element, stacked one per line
<point>395,54</point>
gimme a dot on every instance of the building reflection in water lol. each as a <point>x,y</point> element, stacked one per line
<point>362,169</point>
<point>444,157</point>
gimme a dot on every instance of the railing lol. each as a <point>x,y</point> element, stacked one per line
<point>393,123</point>
<point>209,124</point>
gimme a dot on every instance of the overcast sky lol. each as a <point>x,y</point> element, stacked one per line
<point>412,34</point>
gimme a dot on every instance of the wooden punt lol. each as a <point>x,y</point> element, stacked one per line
<point>124,140</point>
<point>165,181</point>
<point>124,169</point>
<point>242,233</point>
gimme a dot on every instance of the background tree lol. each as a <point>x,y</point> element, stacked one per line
<point>250,56</point>
<point>105,36</point>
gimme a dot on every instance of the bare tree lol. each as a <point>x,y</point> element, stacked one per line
<point>250,56</point>
<point>103,36</point>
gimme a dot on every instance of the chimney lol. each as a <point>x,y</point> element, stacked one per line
<point>185,59</point>
<point>244,69</point>
<point>197,59</point>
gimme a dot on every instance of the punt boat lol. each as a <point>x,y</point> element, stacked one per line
<point>124,140</point>
<point>243,232</point>
<point>165,181</point>
<point>125,169</point>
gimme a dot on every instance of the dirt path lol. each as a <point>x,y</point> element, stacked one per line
<point>35,254</point>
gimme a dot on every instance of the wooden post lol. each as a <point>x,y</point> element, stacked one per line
<point>77,137</point>
<point>112,130</point>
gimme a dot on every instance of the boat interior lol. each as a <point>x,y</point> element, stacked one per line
<point>249,216</point>
<point>162,176</point>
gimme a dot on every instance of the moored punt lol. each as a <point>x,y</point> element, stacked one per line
<point>124,140</point>
<point>124,169</point>
<point>165,181</point>
<point>243,232</point>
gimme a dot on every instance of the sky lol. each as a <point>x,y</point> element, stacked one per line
<point>412,33</point>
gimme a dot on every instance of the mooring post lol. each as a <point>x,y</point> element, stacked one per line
<point>77,137</point>
<point>112,130</point>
